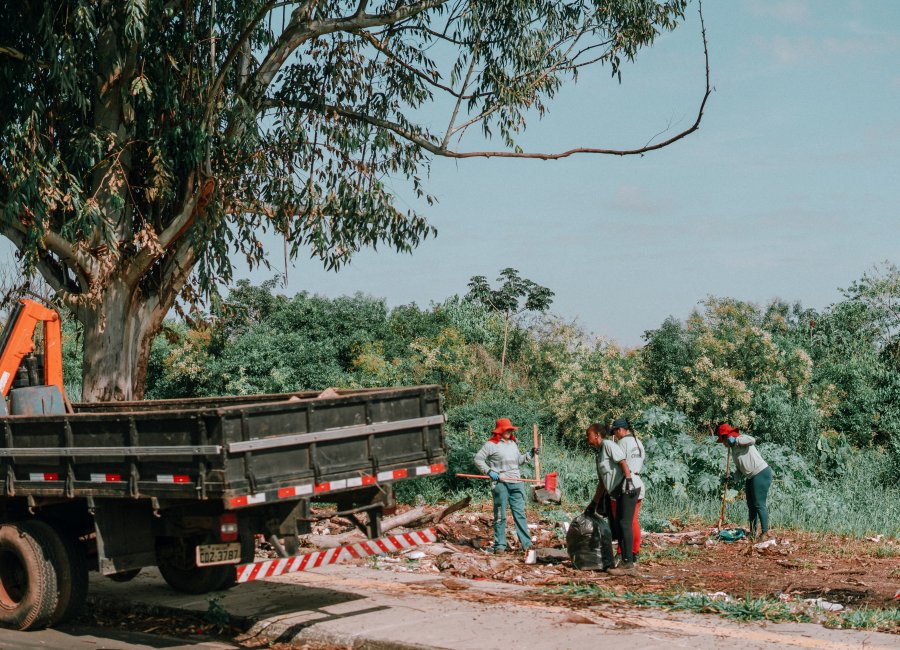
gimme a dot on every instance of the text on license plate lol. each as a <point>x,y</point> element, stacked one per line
<point>208,554</point>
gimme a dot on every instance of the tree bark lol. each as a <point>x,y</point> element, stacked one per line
<point>118,333</point>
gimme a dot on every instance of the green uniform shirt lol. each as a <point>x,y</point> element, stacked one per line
<point>634,456</point>
<point>608,470</point>
<point>503,457</point>
<point>746,457</point>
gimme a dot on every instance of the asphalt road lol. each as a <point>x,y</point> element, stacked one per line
<point>85,638</point>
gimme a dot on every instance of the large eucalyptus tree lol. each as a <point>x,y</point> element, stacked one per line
<point>144,143</point>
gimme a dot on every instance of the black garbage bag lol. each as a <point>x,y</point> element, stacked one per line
<point>589,542</point>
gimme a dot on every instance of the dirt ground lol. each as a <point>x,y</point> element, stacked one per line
<point>800,565</point>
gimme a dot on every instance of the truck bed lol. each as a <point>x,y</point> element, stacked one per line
<point>242,450</point>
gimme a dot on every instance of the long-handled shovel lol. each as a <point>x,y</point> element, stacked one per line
<point>548,482</point>
<point>725,491</point>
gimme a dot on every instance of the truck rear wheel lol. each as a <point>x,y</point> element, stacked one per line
<point>28,592</point>
<point>175,557</point>
<point>69,562</point>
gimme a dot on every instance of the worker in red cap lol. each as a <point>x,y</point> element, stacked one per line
<point>757,472</point>
<point>500,459</point>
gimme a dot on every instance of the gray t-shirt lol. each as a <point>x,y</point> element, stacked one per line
<point>609,454</point>
<point>634,456</point>
<point>746,457</point>
<point>502,456</point>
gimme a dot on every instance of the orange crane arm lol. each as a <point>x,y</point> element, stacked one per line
<point>18,341</point>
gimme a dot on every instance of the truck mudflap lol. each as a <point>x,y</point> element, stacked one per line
<point>380,546</point>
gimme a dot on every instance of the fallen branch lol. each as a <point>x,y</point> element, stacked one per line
<point>449,510</point>
<point>350,537</point>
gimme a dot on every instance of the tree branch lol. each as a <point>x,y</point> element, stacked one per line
<point>236,49</point>
<point>298,32</point>
<point>439,150</point>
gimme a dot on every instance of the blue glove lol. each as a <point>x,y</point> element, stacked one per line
<point>732,441</point>
<point>494,475</point>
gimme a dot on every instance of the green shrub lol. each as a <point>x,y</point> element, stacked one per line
<point>786,419</point>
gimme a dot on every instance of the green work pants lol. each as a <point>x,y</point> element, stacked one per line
<point>512,494</point>
<point>757,489</point>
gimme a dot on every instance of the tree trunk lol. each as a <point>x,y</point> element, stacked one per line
<point>118,334</point>
<point>503,353</point>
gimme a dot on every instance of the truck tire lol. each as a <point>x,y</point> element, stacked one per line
<point>28,592</point>
<point>69,562</point>
<point>175,559</point>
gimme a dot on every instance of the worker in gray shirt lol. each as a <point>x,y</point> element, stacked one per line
<point>500,459</point>
<point>614,482</point>
<point>757,472</point>
<point>628,503</point>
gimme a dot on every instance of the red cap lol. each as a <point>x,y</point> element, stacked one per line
<point>503,425</point>
<point>726,430</point>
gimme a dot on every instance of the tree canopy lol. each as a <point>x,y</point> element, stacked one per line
<point>145,142</point>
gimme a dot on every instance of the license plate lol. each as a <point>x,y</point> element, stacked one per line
<point>212,554</point>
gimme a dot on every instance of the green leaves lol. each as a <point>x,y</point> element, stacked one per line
<point>509,296</point>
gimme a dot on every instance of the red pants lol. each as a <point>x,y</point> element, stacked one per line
<point>635,525</point>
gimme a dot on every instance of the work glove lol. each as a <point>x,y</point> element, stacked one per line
<point>534,451</point>
<point>494,475</point>
<point>732,441</point>
<point>630,490</point>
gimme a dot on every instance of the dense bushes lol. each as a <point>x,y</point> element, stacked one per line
<point>815,388</point>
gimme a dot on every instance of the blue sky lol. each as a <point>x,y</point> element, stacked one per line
<point>790,189</point>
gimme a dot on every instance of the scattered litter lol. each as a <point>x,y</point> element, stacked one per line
<point>415,555</point>
<point>454,585</point>
<point>532,526</point>
<point>731,534</point>
<point>766,544</point>
<point>719,595</point>
<point>824,605</point>
<point>531,556</point>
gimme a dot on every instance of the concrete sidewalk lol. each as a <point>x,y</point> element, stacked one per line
<point>371,609</point>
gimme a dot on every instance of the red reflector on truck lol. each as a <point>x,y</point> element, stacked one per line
<point>399,473</point>
<point>106,478</point>
<point>228,527</point>
<point>46,476</point>
<point>173,478</point>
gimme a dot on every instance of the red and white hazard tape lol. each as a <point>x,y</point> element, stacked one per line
<point>380,546</point>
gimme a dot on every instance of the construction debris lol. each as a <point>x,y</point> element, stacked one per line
<point>810,570</point>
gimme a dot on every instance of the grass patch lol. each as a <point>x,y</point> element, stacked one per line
<point>670,554</point>
<point>886,550</point>
<point>741,609</point>
<point>738,609</point>
<point>866,618</point>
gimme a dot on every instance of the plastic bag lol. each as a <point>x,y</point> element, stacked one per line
<point>589,543</point>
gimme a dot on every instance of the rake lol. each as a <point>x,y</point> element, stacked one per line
<point>548,482</point>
